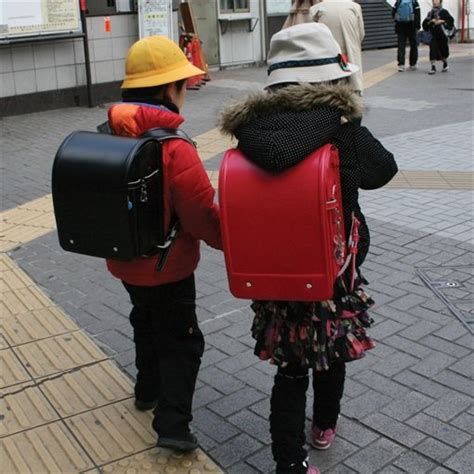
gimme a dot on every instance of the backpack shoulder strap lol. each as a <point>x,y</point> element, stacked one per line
<point>163,134</point>
<point>160,134</point>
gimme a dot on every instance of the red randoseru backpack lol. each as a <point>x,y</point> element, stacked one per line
<point>283,233</point>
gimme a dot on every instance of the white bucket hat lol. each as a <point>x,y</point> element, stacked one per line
<point>306,53</point>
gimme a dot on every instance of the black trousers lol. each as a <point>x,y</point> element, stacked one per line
<point>169,346</point>
<point>405,32</point>
<point>288,408</point>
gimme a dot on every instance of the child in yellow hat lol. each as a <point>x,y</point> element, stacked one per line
<point>168,341</point>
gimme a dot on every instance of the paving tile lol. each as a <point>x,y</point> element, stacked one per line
<point>421,384</point>
<point>367,403</point>
<point>463,460</point>
<point>374,457</point>
<point>433,364</point>
<point>87,388</point>
<point>220,380</point>
<point>383,384</point>
<point>261,461</point>
<point>449,406</point>
<point>13,372</point>
<point>156,459</point>
<point>37,324</point>
<point>59,353</point>
<point>24,410</point>
<point>355,432</point>
<point>213,425</point>
<point>414,463</point>
<point>235,450</point>
<point>49,448</point>
<point>390,428</point>
<point>465,421</point>
<point>405,407</point>
<point>236,401</point>
<point>434,449</point>
<point>395,364</point>
<point>252,424</point>
<point>112,432</point>
<point>439,430</point>
<point>456,382</point>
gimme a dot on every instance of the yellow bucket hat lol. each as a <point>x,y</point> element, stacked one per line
<point>154,61</point>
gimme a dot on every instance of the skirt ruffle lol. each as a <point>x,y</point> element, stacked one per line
<point>313,334</point>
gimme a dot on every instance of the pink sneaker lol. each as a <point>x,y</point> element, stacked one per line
<point>313,470</point>
<point>322,439</point>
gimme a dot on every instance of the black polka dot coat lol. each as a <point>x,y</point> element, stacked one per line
<point>276,130</point>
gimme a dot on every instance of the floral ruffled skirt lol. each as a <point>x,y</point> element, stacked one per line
<point>313,334</point>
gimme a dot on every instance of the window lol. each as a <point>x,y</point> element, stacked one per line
<point>231,6</point>
<point>109,7</point>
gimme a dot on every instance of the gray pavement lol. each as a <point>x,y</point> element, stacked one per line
<point>408,403</point>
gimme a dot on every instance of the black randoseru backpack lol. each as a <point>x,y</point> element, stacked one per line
<point>108,194</point>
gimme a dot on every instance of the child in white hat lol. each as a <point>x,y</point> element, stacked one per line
<point>310,103</point>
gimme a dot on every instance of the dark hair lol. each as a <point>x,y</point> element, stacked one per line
<point>149,92</point>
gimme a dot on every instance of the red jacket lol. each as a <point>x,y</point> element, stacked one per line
<point>187,192</point>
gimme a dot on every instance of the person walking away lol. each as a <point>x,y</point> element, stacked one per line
<point>299,13</point>
<point>344,19</point>
<point>308,104</point>
<point>438,22</point>
<point>168,341</point>
<point>407,22</point>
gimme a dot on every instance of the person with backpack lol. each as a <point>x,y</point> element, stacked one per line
<point>308,104</point>
<point>168,341</point>
<point>440,24</point>
<point>407,22</point>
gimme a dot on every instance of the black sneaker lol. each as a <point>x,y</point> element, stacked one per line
<point>187,442</point>
<point>433,70</point>
<point>445,67</point>
<point>142,405</point>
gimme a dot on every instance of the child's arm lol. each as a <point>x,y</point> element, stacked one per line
<point>193,194</point>
<point>377,165</point>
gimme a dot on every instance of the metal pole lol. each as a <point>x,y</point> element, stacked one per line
<point>86,53</point>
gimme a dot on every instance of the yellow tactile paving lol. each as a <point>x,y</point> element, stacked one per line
<point>12,372</point>
<point>87,389</point>
<point>47,449</point>
<point>23,410</point>
<point>113,431</point>
<point>163,461</point>
<point>58,354</point>
<point>23,300</point>
<point>34,325</point>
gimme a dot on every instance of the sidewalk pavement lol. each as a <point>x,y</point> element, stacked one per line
<point>408,404</point>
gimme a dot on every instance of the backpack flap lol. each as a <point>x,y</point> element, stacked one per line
<point>283,234</point>
<point>405,11</point>
<point>97,211</point>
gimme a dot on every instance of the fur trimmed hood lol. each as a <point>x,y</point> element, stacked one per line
<point>297,98</point>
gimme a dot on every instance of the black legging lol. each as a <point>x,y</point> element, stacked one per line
<point>288,407</point>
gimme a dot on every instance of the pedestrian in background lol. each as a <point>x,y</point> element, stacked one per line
<point>307,106</point>
<point>438,22</point>
<point>407,22</point>
<point>299,13</point>
<point>168,341</point>
<point>344,19</point>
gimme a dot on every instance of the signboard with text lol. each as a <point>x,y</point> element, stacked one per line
<point>155,18</point>
<point>38,17</point>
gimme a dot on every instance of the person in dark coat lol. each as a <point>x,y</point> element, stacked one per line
<point>438,22</point>
<point>309,104</point>
<point>407,22</point>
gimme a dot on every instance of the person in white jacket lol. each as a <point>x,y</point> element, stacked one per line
<point>344,19</point>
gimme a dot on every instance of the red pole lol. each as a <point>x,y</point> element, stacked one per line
<point>463,17</point>
<point>83,5</point>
